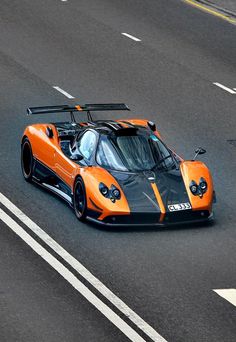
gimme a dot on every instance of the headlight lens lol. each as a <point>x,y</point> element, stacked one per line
<point>116,193</point>
<point>103,189</point>
<point>203,184</point>
<point>193,187</point>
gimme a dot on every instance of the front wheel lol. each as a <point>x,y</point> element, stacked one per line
<point>27,160</point>
<point>79,199</point>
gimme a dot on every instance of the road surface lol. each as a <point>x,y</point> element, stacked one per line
<point>173,74</point>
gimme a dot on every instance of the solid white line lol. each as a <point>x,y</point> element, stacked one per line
<point>69,276</point>
<point>131,37</point>
<point>224,87</point>
<point>228,294</point>
<point>83,271</point>
<point>63,92</point>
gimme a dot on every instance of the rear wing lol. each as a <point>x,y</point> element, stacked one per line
<point>83,108</point>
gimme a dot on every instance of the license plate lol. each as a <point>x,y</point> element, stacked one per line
<point>180,206</point>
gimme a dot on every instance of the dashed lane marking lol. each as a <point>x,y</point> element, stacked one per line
<point>83,271</point>
<point>63,92</point>
<point>231,91</point>
<point>228,294</point>
<point>131,37</point>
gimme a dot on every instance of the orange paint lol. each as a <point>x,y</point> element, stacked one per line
<point>159,201</point>
<point>92,178</point>
<point>78,108</point>
<point>144,123</point>
<point>194,170</point>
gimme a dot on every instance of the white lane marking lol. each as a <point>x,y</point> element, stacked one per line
<point>228,294</point>
<point>83,271</point>
<point>224,87</point>
<point>69,276</point>
<point>63,92</point>
<point>131,37</point>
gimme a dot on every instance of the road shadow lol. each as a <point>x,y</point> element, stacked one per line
<point>149,228</point>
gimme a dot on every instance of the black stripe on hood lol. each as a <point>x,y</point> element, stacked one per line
<point>171,187</point>
<point>138,192</point>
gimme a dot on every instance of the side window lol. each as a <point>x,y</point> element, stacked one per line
<point>87,144</point>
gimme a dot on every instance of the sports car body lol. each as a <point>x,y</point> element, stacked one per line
<point>115,172</point>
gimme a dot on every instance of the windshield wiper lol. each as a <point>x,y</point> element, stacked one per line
<point>166,157</point>
<point>161,160</point>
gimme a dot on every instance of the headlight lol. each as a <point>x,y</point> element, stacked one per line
<point>203,184</point>
<point>116,193</point>
<point>103,189</point>
<point>113,193</point>
<point>198,190</point>
<point>194,188</point>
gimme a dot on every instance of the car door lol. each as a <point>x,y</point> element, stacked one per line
<point>43,144</point>
<point>66,167</point>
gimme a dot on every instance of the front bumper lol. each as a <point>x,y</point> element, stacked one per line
<point>169,220</point>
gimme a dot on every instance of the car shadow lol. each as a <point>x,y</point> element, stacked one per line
<point>149,228</point>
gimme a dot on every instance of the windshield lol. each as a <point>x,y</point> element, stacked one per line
<point>133,153</point>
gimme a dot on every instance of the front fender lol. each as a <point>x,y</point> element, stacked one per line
<point>193,171</point>
<point>92,177</point>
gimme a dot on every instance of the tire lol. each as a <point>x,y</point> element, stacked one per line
<point>27,161</point>
<point>79,199</point>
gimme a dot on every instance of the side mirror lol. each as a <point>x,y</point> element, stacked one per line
<point>198,151</point>
<point>152,126</point>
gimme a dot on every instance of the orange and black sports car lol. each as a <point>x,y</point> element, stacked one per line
<point>115,172</point>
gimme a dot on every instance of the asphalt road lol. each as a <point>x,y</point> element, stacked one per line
<point>166,276</point>
<point>228,5</point>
